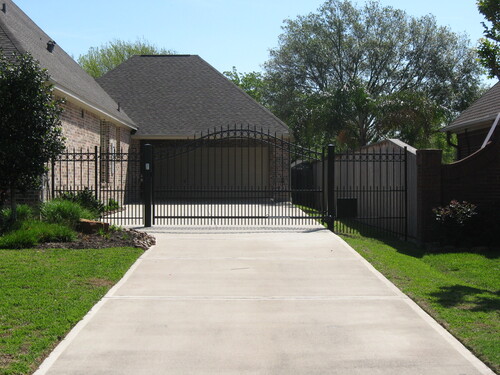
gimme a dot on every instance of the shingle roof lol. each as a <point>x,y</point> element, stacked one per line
<point>19,34</point>
<point>180,95</point>
<point>482,110</point>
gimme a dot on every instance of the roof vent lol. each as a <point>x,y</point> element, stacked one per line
<point>4,8</point>
<point>50,45</point>
<point>119,107</point>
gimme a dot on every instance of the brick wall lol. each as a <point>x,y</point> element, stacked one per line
<point>470,141</point>
<point>80,127</point>
<point>475,179</point>
<point>76,168</point>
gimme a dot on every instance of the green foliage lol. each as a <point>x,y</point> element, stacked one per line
<point>100,60</point>
<point>7,220</point>
<point>64,212</point>
<point>252,83</point>
<point>29,123</point>
<point>489,47</point>
<point>112,205</point>
<point>33,232</point>
<point>356,75</point>
<point>86,199</point>
<point>456,221</point>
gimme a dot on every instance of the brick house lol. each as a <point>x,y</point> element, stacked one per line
<point>163,100</point>
<point>90,117</point>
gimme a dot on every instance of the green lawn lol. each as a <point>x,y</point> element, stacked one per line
<point>460,290</point>
<point>44,293</point>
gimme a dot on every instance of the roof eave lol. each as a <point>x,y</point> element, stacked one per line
<point>460,126</point>
<point>86,105</point>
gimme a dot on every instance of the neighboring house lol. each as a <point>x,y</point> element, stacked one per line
<point>473,124</point>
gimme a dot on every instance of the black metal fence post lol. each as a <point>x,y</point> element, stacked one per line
<point>331,187</point>
<point>406,193</point>
<point>96,171</point>
<point>147,171</point>
<point>53,179</point>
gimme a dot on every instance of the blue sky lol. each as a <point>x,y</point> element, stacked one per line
<point>225,33</point>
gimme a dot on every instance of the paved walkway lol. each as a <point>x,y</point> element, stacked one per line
<point>257,303</point>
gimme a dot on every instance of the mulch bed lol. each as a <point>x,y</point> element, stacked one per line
<point>122,238</point>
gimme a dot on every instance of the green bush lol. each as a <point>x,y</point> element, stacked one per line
<point>86,199</point>
<point>24,212</point>
<point>33,232</point>
<point>457,222</point>
<point>112,205</point>
<point>60,211</point>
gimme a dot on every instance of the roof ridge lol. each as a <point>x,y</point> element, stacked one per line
<point>11,37</point>
<point>164,55</point>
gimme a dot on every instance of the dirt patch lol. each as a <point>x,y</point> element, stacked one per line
<point>120,238</point>
<point>6,360</point>
<point>95,281</point>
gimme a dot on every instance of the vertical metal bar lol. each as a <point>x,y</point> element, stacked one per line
<point>148,183</point>
<point>96,172</point>
<point>331,187</point>
<point>53,179</point>
<point>406,192</point>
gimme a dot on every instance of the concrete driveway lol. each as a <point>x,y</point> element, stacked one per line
<point>232,302</point>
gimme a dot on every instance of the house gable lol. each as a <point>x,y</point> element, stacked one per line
<point>176,96</point>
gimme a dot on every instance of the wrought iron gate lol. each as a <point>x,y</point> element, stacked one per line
<point>237,176</point>
<point>241,176</point>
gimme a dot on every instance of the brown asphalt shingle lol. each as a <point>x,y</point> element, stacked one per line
<point>182,95</point>
<point>484,109</point>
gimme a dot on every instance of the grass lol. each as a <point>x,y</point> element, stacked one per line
<point>33,232</point>
<point>459,289</point>
<point>44,293</point>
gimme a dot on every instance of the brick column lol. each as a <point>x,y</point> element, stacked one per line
<point>428,191</point>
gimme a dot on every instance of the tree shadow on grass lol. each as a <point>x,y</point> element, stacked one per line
<point>468,298</point>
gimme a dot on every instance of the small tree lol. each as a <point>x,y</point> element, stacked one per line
<point>29,124</point>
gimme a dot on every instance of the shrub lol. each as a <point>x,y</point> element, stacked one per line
<point>456,222</point>
<point>24,212</point>
<point>60,211</point>
<point>86,199</point>
<point>33,232</point>
<point>112,205</point>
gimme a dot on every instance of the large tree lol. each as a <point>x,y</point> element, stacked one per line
<point>29,124</point>
<point>100,60</point>
<point>358,74</point>
<point>489,47</point>
<point>253,83</point>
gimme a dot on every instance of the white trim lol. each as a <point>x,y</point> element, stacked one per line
<point>106,115</point>
<point>483,122</point>
<point>490,133</point>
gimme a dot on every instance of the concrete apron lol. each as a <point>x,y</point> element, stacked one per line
<point>257,303</point>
